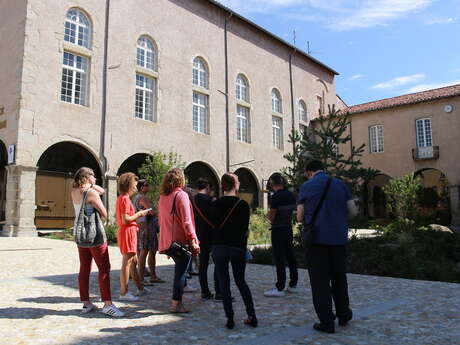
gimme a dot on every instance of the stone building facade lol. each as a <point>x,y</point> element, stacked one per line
<point>103,83</point>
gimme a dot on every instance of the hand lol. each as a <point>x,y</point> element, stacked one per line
<point>143,213</point>
<point>195,248</point>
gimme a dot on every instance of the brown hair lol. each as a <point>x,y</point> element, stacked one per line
<point>174,178</point>
<point>126,181</point>
<point>228,182</point>
<point>141,183</point>
<point>81,176</point>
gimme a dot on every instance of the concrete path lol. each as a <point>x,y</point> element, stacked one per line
<point>39,304</point>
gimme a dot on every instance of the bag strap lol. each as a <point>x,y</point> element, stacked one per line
<point>229,214</point>
<point>83,203</point>
<point>173,211</point>
<point>323,196</point>
<point>195,206</point>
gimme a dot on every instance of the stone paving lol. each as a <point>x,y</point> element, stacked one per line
<point>39,304</point>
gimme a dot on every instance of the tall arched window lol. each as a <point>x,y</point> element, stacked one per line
<point>77,28</point>
<point>276,102</point>
<point>200,73</point>
<point>302,111</point>
<point>242,88</point>
<point>146,54</point>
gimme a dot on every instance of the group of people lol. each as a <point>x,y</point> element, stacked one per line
<point>193,223</point>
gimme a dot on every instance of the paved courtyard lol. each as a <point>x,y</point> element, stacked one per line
<point>39,304</point>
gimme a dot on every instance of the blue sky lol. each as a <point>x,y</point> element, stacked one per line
<point>381,48</point>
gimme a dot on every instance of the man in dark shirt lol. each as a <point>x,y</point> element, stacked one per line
<point>327,255</point>
<point>282,205</point>
<point>203,210</point>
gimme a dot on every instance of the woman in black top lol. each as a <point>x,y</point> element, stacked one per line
<point>229,246</point>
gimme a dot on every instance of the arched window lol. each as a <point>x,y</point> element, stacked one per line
<point>200,73</point>
<point>276,102</point>
<point>242,88</point>
<point>146,54</point>
<point>302,111</point>
<point>77,28</point>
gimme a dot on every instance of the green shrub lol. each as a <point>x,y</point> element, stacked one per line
<point>402,196</point>
<point>111,232</point>
<point>259,228</point>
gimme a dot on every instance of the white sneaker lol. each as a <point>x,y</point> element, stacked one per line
<point>190,288</point>
<point>128,297</point>
<point>292,289</point>
<point>143,291</point>
<point>274,293</point>
<point>113,311</point>
<point>88,308</point>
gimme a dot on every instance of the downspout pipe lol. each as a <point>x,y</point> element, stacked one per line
<point>227,112</point>
<point>292,96</point>
<point>102,154</point>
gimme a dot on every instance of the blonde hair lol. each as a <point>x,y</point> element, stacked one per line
<point>126,182</point>
<point>81,176</point>
<point>174,178</point>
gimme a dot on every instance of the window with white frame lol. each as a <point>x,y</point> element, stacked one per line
<point>77,28</point>
<point>277,132</point>
<point>200,73</point>
<point>302,111</point>
<point>200,113</point>
<point>320,104</point>
<point>424,133</point>
<point>146,55</point>
<point>276,102</point>
<point>242,88</point>
<point>376,139</point>
<point>74,82</point>
<point>145,97</point>
<point>243,124</point>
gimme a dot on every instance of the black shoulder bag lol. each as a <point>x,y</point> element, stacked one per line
<point>177,249</point>
<point>308,231</point>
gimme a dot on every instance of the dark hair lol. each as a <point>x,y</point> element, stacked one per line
<point>126,181</point>
<point>141,183</point>
<point>314,166</point>
<point>81,176</point>
<point>202,183</point>
<point>228,182</point>
<point>277,180</point>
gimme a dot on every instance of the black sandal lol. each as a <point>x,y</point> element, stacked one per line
<point>251,321</point>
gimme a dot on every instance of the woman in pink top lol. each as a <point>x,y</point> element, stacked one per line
<point>178,226</point>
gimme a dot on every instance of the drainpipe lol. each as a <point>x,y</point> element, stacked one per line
<point>102,155</point>
<point>227,115</point>
<point>292,96</point>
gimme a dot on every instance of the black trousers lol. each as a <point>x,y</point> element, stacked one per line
<point>327,271</point>
<point>205,251</point>
<point>283,253</point>
<point>223,255</point>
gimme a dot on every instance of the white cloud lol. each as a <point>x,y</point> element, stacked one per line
<point>356,76</point>
<point>399,81</point>
<point>424,87</point>
<point>449,20</point>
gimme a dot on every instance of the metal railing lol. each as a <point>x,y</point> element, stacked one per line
<point>424,153</point>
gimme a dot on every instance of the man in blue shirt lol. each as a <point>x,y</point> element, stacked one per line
<point>327,256</point>
<point>282,206</point>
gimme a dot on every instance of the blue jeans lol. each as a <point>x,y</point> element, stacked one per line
<point>180,273</point>
<point>223,255</point>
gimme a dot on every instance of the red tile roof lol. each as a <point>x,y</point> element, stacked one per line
<point>424,96</point>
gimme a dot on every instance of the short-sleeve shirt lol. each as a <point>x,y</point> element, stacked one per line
<point>124,206</point>
<point>284,202</point>
<point>331,225</point>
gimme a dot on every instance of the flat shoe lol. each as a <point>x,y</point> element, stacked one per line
<point>157,280</point>
<point>179,309</point>
<point>324,328</point>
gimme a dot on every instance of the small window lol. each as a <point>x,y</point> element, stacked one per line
<point>320,105</point>
<point>277,132</point>
<point>200,73</point>
<point>276,102</point>
<point>145,97</point>
<point>424,133</point>
<point>376,139</point>
<point>200,113</point>
<point>242,124</point>
<point>242,88</point>
<point>302,112</point>
<point>77,28</point>
<point>146,54</point>
<point>74,83</point>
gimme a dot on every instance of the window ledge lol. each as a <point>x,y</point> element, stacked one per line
<point>146,71</point>
<point>144,120</point>
<point>73,48</point>
<point>208,135</point>
<point>243,103</point>
<point>200,89</point>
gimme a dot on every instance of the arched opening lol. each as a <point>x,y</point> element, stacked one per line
<point>376,199</point>
<point>53,185</point>
<point>132,164</point>
<point>197,170</point>
<point>434,196</point>
<point>3,163</point>
<point>249,188</point>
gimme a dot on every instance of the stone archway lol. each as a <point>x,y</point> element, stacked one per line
<point>197,170</point>
<point>376,198</point>
<point>3,177</point>
<point>53,183</point>
<point>132,164</point>
<point>249,188</point>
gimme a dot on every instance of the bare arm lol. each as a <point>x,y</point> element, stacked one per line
<point>98,189</point>
<point>300,213</point>
<point>126,218</point>
<point>94,200</point>
<point>271,215</point>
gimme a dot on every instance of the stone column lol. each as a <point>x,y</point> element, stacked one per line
<point>455,206</point>
<point>20,202</point>
<point>111,196</point>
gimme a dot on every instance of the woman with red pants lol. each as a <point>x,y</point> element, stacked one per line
<point>85,181</point>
